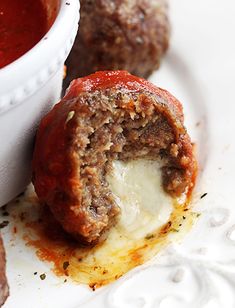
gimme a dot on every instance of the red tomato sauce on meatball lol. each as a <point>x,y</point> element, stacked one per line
<point>22,24</point>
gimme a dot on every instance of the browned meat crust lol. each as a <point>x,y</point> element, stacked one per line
<point>103,117</point>
<point>3,280</point>
<point>119,35</point>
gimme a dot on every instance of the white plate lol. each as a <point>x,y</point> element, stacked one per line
<point>200,70</point>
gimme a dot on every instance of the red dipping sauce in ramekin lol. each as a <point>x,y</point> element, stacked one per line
<point>22,25</point>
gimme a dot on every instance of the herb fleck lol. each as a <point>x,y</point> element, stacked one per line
<point>43,276</point>
<point>149,236</point>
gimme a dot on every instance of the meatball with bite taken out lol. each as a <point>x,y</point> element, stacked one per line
<point>107,117</point>
<point>131,35</point>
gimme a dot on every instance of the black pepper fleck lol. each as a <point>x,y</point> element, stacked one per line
<point>65,265</point>
<point>204,195</point>
<point>4,224</point>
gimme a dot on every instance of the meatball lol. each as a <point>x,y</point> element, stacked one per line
<point>3,280</point>
<point>119,35</point>
<point>104,117</point>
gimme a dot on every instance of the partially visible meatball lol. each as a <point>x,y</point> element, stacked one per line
<point>106,117</point>
<point>127,35</point>
<point>3,280</point>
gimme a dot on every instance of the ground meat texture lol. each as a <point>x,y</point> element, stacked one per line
<point>127,35</point>
<point>104,117</point>
<point>3,280</point>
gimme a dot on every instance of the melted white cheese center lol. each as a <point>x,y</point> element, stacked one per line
<point>138,191</point>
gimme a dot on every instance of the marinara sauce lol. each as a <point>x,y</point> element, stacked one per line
<point>22,24</point>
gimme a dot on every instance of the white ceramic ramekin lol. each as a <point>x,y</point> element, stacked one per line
<point>28,88</point>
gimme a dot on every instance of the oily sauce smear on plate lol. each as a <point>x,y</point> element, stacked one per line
<point>99,265</point>
<point>22,24</point>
